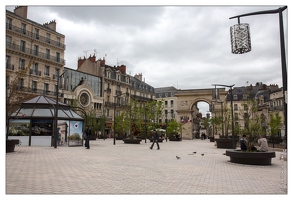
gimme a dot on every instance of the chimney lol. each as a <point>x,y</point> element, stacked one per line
<point>138,76</point>
<point>122,68</point>
<point>21,11</point>
<point>92,58</point>
<point>51,25</point>
<point>80,62</point>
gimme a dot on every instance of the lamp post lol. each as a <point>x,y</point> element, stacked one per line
<point>283,56</point>
<point>145,124</point>
<point>115,100</point>
<point>232,112</point>
<point>56,111</point>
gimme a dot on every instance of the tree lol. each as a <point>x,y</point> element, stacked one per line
<point>173,127</point>
<point>253,122</point>
<point>16,93</point>
<point>275,125</point>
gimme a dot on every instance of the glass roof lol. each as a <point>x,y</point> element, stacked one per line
<point>44,107</point>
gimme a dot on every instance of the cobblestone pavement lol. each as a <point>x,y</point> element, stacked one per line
<point>135,169</point>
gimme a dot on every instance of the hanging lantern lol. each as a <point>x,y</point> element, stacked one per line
<point>240,38</point>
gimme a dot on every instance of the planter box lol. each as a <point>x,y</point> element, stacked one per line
<point>225,143</point>
<point>212,139</point>
<point>159,140</point>
<point>251,158</point>
<point>132,141</point>
<point>175,139</point>
<point>10,145</point>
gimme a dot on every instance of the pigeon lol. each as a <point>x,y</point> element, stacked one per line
<point>177,157</point>
<point>224,154</point>
<point>202,154</point>
<point>194,152</point>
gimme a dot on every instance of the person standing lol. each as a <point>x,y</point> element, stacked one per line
<point>155,140</point>
<point>243,142</point>
<point>87,134</point>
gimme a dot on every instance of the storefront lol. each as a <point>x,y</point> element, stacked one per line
<point>33,123</point>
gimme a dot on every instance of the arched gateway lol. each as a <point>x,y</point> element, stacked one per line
<point>187,111</point>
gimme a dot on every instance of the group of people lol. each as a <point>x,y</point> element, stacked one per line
<point>262,143</point>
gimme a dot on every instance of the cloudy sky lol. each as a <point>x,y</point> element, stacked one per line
<point>185,46</point>
<point>182,46</point>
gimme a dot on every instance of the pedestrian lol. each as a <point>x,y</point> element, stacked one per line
<point>263,144</point>
<point>243,142</point>
<point>87,134</point>
<point>155,140</point>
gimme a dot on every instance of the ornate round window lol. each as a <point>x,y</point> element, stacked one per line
<point>84,99</point>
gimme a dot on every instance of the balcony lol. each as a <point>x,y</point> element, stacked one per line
<point>108,90</point>
<point>34,36</point>
<point>31,52</point>
<point>118,92</point>
<point>35,72</point>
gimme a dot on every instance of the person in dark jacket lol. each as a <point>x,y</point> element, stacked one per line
<point>155,140</point>
<point>87,133</point>
<point>243,141</point>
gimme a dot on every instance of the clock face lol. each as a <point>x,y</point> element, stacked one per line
<point>84,99</point>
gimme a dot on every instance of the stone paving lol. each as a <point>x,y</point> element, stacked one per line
<point>135,169</point>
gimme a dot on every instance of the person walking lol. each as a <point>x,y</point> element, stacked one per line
<point>155,139</point>
<point>87,134</point>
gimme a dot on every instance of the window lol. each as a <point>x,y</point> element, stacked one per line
<point>166,94</point>
<point>244,96</point>
<point>48,53</point>
<point>46,88</point>
<point>57,72</point>
<point>36,50</point>
<point>22,46</point>
<point>37,33</point>
<point>235,106</point>
<point>20,83</point>
<point>236,116</point>
<point>57,56</point>
<point>34,86</point>
<point>35,68</point>
<point>58,41</point>
<point>21,64</point>
<point>235,97</point>
<point>166,103</point>
<point>23,28</point>
<point>172,103</point>
<point>47,70</point>
<point>9,23</point>
<point>48,37</point>
<point>8,41</point>
<point>8,60</point>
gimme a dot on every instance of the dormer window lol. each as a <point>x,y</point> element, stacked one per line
<point>244,96</point>
<point>235,97</point>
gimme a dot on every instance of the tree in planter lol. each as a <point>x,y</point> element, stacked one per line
<point>252,123</point>
<point>173,128</point>
<point>122,125</point>
<point>216,121</point>
<point>275,124</point>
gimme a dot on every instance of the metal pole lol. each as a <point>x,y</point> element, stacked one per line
<point>114,120</point>
<point>232,115</point>
<point>283,55</point>
<point>145,121</point>
<point>284,70</point>
<point>56,112</point>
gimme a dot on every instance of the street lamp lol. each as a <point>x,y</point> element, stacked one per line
<point>244,39</point>
<point>56,111</point>
<point>145,124</point>
<point>115,100</point>
<point>232,115</point>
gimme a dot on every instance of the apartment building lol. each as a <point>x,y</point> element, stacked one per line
<point>37,47</point>
<point>167,95</point>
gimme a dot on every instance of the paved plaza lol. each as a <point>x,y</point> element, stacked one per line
<point>135,169</point>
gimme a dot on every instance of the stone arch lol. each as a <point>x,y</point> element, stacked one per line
<point>186,99</point>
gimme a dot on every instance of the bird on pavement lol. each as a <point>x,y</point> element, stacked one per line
<point>202,154</point>
<point>177,157</point>
<point>194,152</point>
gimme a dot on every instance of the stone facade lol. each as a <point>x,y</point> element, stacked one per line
<point>36,47</point>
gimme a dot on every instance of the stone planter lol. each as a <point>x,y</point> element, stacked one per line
<point>159,140</point>
<point>212,139</point>
<point>175,139</point>
<point>131,141</point>
<point>10,145</point>
<point>250,158</point>
<point>226,143</point>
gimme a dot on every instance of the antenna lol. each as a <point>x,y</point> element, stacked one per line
<point>85,51</point>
